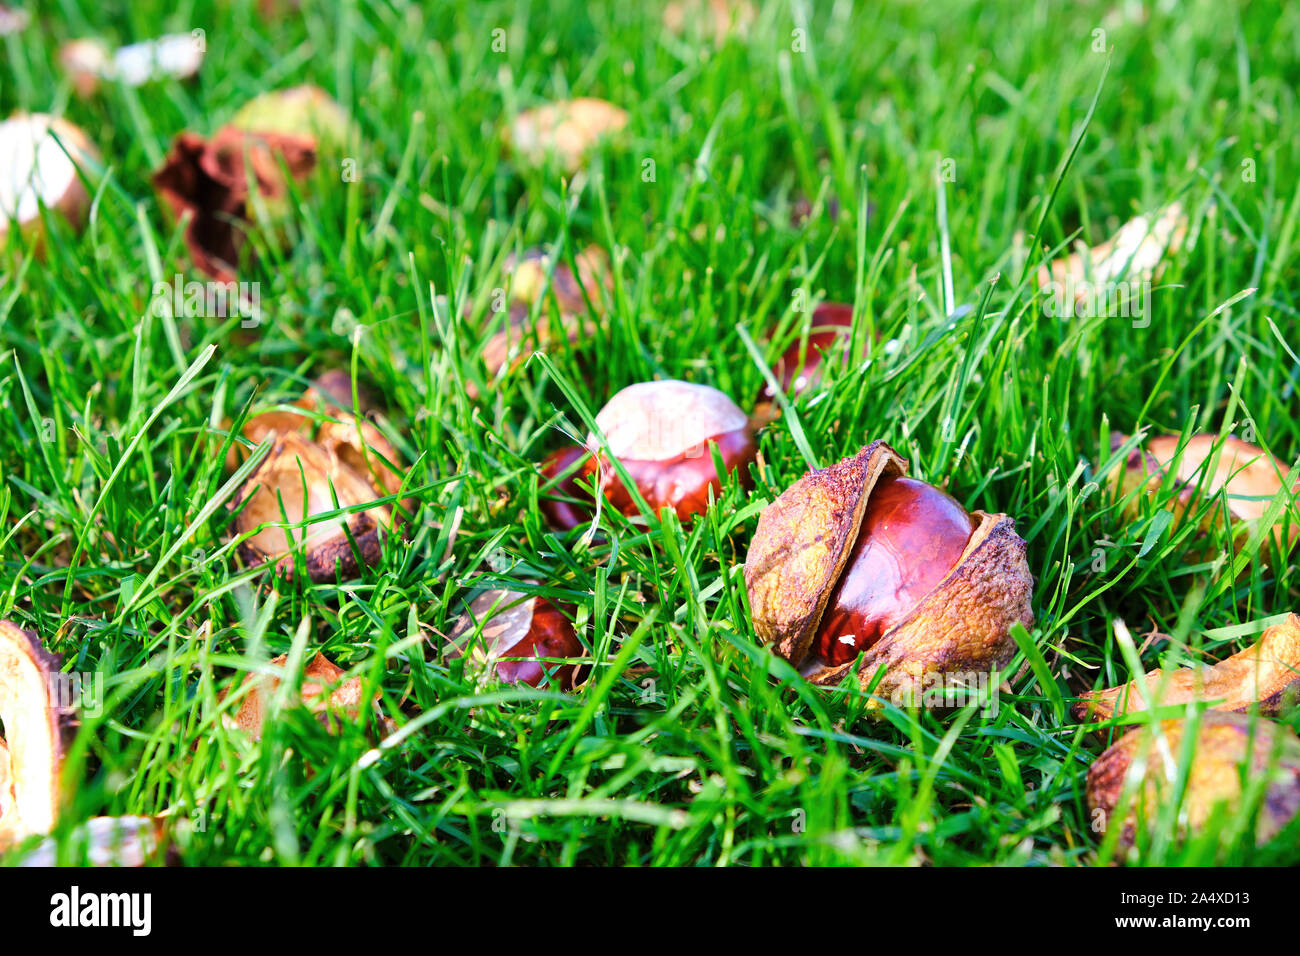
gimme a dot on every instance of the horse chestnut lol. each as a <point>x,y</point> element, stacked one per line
<point>522,637</point>
<point>663,433</point>
<point>857,560</point>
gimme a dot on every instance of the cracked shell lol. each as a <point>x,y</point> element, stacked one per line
<point>799,553</point>
<point>1267,673</point>
<point>1227,745</point>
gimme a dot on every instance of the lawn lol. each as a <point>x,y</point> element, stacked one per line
<point>919,161</point>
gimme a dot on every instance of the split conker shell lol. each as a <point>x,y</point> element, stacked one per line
<point>1227,746</point>
<point>1249,476</point>
<point>33,723</point>
<point>521,633</point>
<point>799,553</point>
<point>663,433</point>
<point>1265,675</point>
<point>41,160</point>
<point>307,477</point>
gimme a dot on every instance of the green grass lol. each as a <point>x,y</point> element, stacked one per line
<point>691,744</point>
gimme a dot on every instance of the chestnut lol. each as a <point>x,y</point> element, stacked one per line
<point>1265,675</point>
<point>42,161</point>
<point>800,366</point>
<point>1229,749</point>
<point>664,433</point>
<point>1204,466</point>
<point>567,506</point>
<point>522,637</point>
<point>857,561</point>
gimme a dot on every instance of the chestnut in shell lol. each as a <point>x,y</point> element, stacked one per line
<point>664,434</point>
<point>525,639</point>
<point>857,561</point>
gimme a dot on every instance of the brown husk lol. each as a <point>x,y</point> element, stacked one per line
<point>319,677</point>
<point>1266,674</point>
<point>1224,747</point>
<point>799,552</point>
<point>1250,476</point>
<point>29,790</point>
<point>208,180</point>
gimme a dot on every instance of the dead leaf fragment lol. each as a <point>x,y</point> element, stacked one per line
<point>719,19</point>
<point>1135,254</point>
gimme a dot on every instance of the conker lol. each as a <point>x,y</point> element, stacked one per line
<point>800,366</point>
<point>42,159</point>
<point>663,433</point>
<point>858,561</point>
<point>522,635</point>
<point>567,505</point>
<point>912,535</point>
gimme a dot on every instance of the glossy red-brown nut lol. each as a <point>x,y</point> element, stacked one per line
<point>524,639</point>
<point>800,366</point>
<point>565,505</point>
<point>664,434</point>
<point>912,535</point>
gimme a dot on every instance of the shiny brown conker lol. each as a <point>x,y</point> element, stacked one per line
<point>800,366</point>
<point>664,434</point>
<point>566,505</point>
<point>912,535</point>
<point>521,636</point>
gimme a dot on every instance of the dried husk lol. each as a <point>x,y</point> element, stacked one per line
<point>519,335</point>
<point>1227,745</point>
<point>719,19</point>
<point>323,691</point>
<point>307,477</point>
<point>31,761</point>
<point>1265,675</point>
<point>302,111</point>
<point>566,130</point>
<point>1250,477</point>
<point>33,748</point>
<point>1138,252</point>
<point>42,158</point>
<point>799,552</point>
<point>208,180</point>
